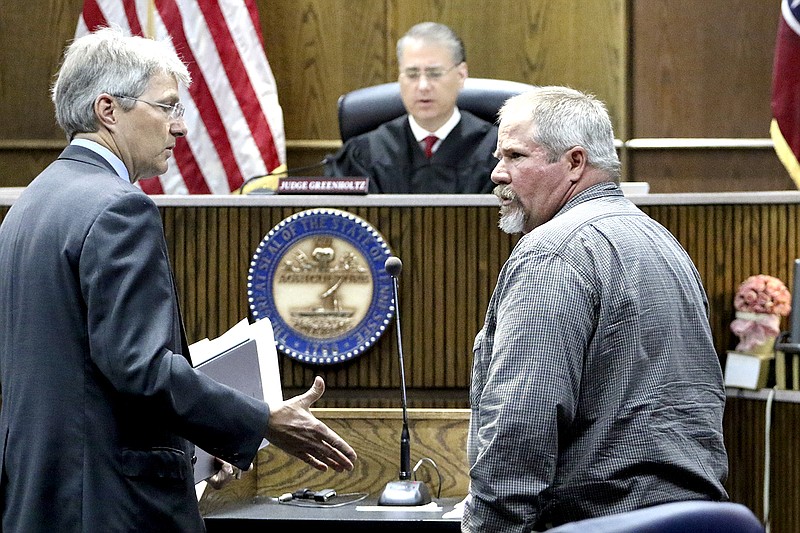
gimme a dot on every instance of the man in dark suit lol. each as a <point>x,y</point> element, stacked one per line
<point>100,402</point>
<point>435,147</point>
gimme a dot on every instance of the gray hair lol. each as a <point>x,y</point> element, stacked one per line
<point>563,118</point>
<point>108,61</point>
<point>434,33</point>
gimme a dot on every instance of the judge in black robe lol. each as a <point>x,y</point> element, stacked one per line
<point>396,164</point>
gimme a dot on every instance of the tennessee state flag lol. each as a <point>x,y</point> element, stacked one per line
<point>785,126</point>
<point>233,116</point>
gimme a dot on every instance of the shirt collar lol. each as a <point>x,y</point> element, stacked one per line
<point>420,133</point>
<point>598,190</point>
<point>106,154</point>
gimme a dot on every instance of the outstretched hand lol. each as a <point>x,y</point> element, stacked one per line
<point>293,429</point>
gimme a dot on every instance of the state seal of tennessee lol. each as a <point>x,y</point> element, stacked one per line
<point>319,277</point>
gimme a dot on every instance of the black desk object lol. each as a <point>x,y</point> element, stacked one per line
<point>268,515</point>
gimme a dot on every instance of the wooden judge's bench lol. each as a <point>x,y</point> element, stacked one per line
<point>452,253</point>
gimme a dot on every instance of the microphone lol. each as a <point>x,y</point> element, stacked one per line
<point>405,491</point>
<point>278,174</point>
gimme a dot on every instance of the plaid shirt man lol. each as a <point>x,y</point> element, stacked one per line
<point>596,387</point>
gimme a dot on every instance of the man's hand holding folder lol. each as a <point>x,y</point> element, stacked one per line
<point>224,475</point>
<point>245,358</point>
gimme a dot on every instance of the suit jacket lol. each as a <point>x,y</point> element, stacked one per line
<point>395,163</point>
<point>99,400</point>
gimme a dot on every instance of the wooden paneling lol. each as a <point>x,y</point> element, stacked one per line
<point>448,279</point>
<point>707,170</point>
<point>19,165</point>
<point>745,430</point>
<point>452,257</point>
<point>320,49</point>
<point>542,43</point>
<point>702,68</point>
<point>445,287</point>
<point>729,243</point>
<point>440,435</point>
<point>32,39</point>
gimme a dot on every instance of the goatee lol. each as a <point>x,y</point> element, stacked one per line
<point>512,216</point>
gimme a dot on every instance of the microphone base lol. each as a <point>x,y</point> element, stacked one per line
<point>406,493</point>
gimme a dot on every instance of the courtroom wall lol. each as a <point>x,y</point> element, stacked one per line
<point>667,69</point>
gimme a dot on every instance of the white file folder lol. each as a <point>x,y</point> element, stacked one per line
<point>247,362</point>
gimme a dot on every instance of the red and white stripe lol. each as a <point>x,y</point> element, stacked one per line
<point>232,112</point>
<point>785,127</point>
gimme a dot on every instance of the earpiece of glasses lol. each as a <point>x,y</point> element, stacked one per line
<point>432,74</point>
<point>174,111</point>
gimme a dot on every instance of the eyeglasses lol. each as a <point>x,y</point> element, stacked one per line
<point>174,111</point>
<point>432,74</point>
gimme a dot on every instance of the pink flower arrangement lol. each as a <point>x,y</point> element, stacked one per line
<point>760,302</point>
<point>763,294</point>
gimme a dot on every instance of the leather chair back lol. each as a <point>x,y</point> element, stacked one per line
<point>677,517</point>
<point>365,109</point>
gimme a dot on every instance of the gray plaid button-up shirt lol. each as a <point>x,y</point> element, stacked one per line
<point>596,388</point>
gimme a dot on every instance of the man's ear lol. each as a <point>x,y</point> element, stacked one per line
<point>577,160</point>
<point>463,72</point>
<point>106,109</point>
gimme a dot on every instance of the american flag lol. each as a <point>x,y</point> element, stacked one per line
<point>232,112</point>
<point>785,127</point>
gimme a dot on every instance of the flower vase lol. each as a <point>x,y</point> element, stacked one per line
<point>757,332</point>
<point>748,366</point>
<point>760,302</point>
<point>763,348</point>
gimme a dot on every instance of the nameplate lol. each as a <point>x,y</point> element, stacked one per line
<point>320,185</point>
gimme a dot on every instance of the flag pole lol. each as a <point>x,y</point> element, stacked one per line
<point>150,31</point>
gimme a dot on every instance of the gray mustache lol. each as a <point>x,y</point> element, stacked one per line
<point>504,192</point>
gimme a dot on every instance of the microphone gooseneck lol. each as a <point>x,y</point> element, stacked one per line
<point>393,267</point>
<point>405,491</point>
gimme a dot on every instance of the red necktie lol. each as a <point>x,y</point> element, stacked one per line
<point>430,140</point>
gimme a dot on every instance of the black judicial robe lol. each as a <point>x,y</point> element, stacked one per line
<point>396,164</point>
